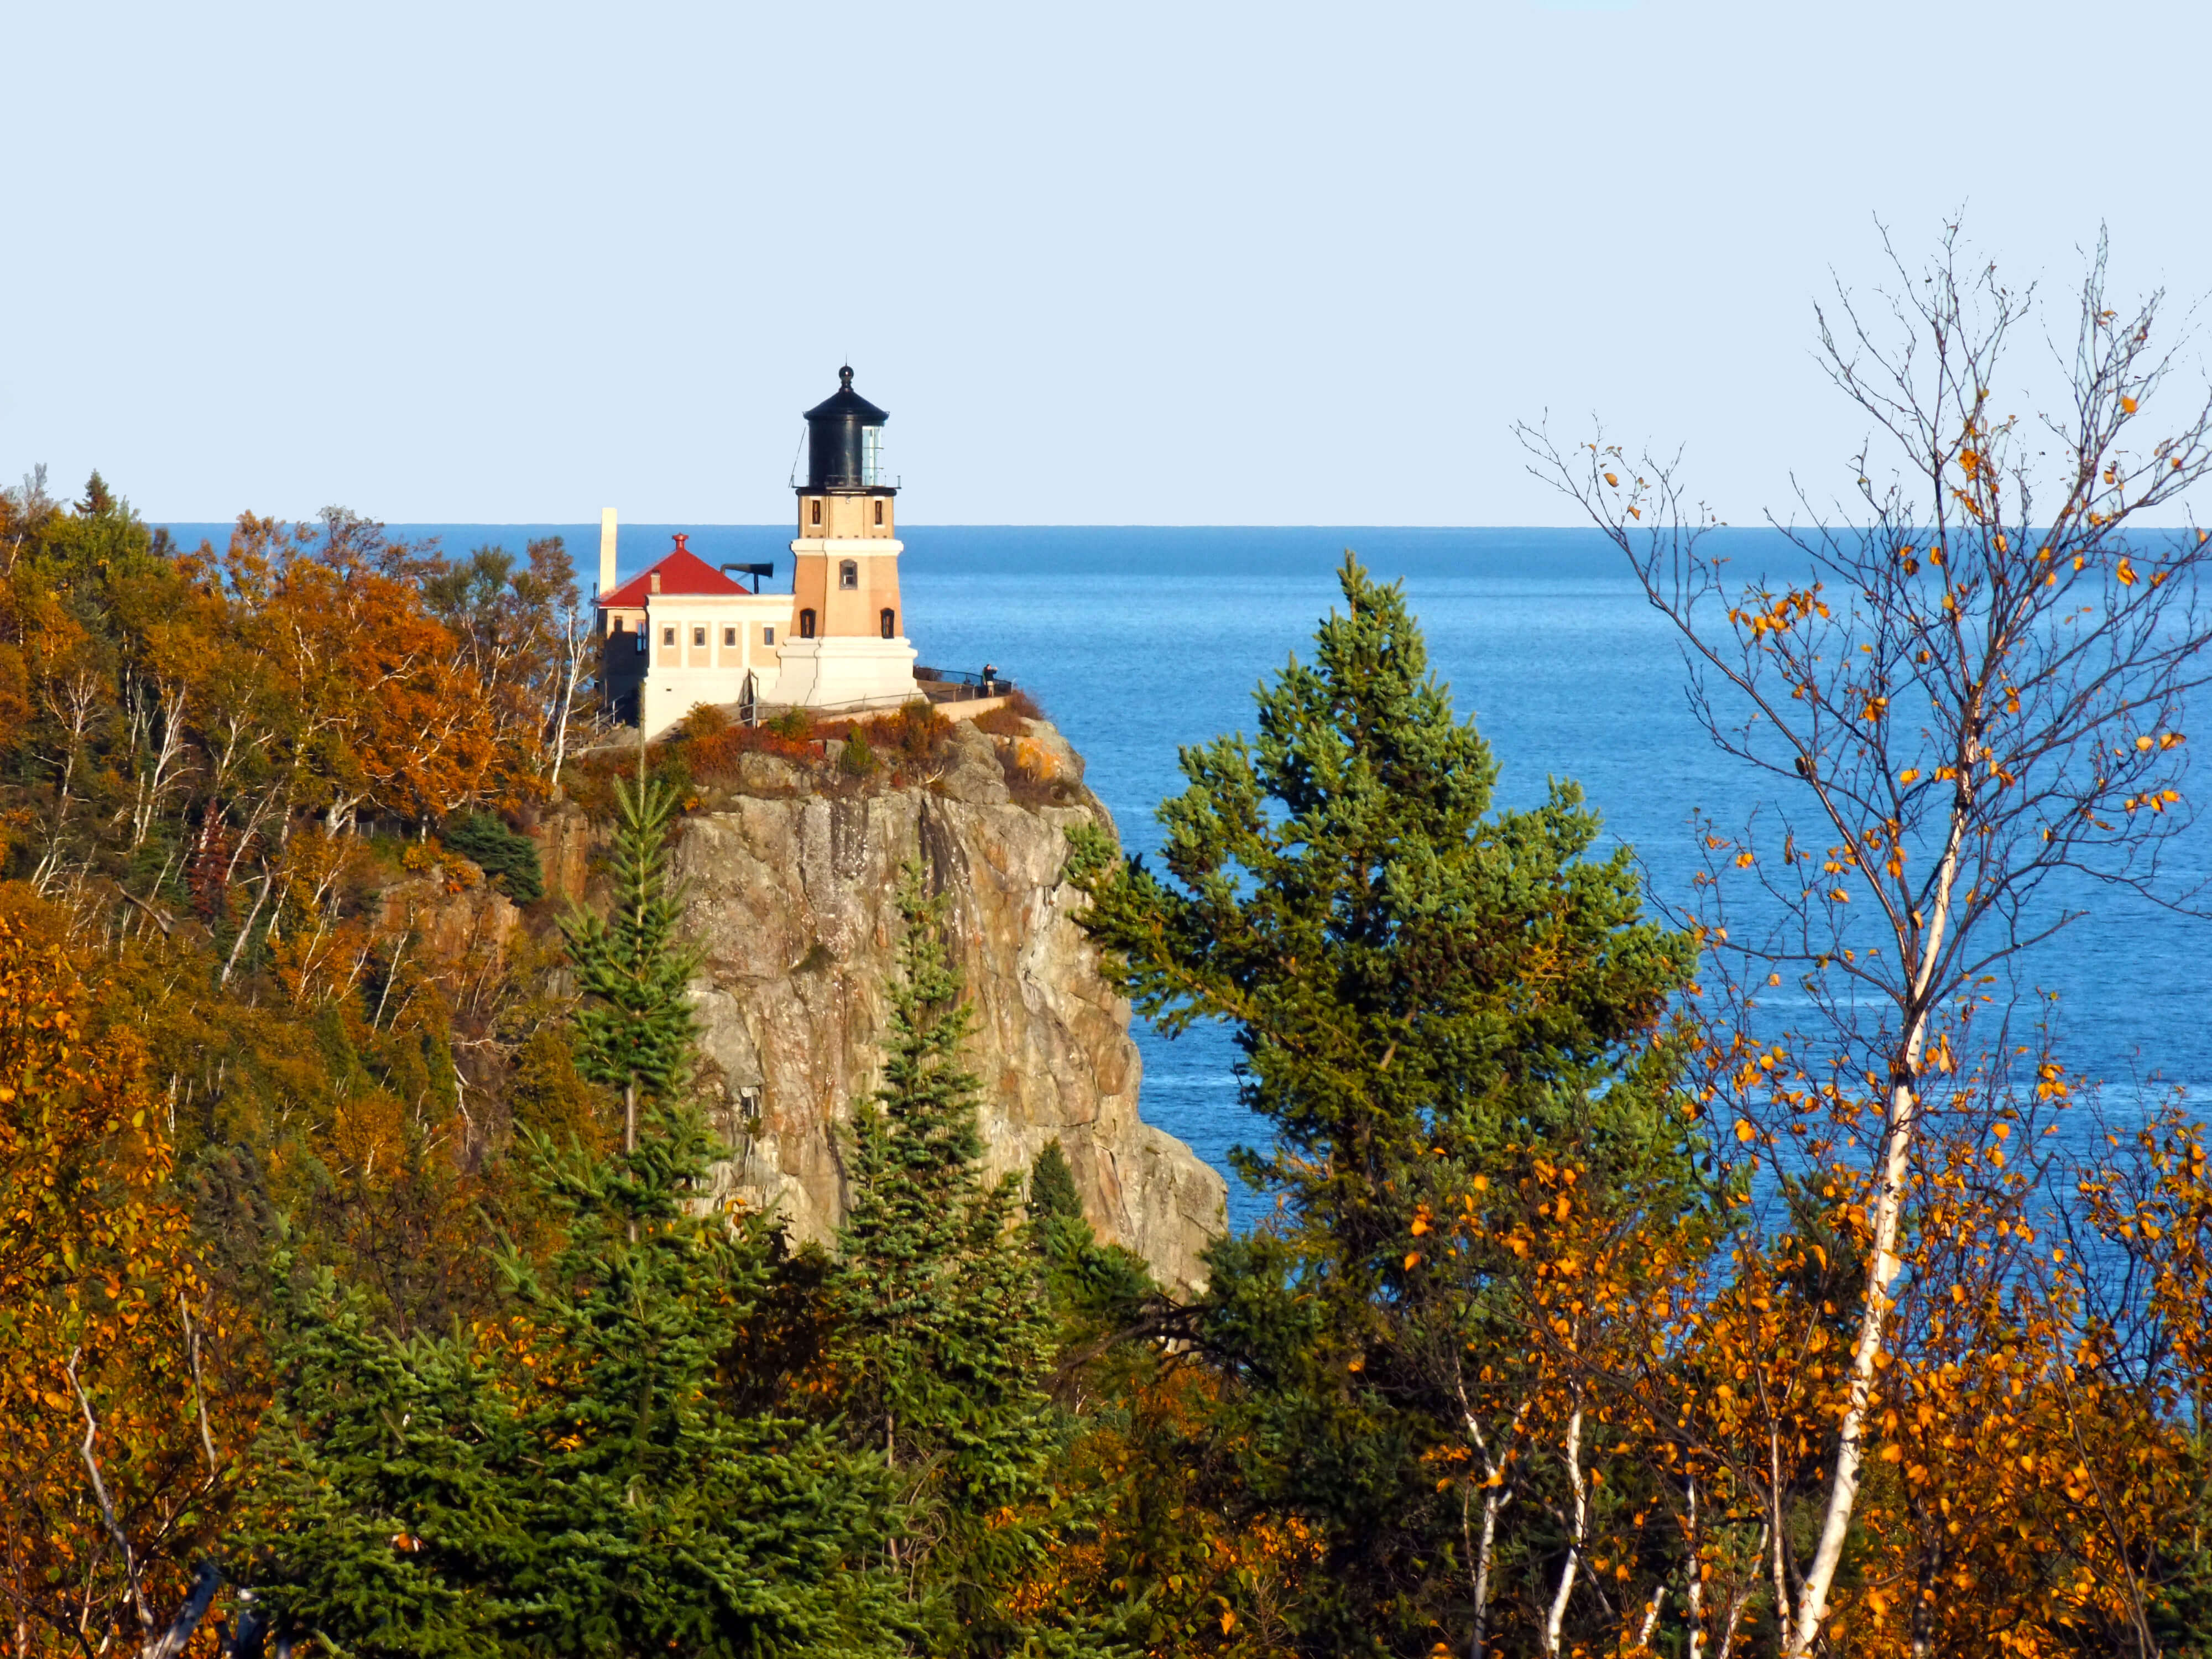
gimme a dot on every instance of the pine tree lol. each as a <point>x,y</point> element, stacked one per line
<point>1430,1000</point>
<point>941,1335</point>
<point>577,1479</point>
<point>383,1514</point>
<point>664,1519</point>
<point>1095,1288</point>
<point>636,1034</point>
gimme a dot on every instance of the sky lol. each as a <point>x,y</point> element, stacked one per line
<point>1182,263</point>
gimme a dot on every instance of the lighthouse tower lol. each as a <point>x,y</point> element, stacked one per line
<point>847,643</point>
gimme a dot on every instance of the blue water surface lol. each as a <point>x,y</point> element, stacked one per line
<point>1138,640</point>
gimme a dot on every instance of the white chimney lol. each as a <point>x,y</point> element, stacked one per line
<point>606,552</point>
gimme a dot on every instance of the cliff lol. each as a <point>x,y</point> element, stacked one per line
<point>790,875</point>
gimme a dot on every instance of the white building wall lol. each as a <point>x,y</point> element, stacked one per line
<point>691,660</point>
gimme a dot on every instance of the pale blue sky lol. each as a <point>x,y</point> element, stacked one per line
<point>1182,263</point>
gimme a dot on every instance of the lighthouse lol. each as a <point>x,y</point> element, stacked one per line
<point>847,641</point>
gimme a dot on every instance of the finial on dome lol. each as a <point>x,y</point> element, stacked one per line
<point>845,378</point>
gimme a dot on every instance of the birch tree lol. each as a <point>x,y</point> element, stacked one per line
<point>1969,718</point>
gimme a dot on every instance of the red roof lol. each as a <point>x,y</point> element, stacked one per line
<point>681,572</point>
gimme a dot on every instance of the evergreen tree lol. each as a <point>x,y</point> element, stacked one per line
<point>578,1478</point>
<point>940,1336</point>
<point>508,858</point>
<point>1429,999</point>
<point>1095,1288</point>
<point>664,1519</point>
<point>636,1034</point>
<point>383,1515</point>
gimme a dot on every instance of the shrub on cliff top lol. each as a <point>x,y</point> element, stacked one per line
<point>508,858</point>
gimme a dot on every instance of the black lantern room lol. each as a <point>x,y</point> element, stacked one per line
<point>844,442</point>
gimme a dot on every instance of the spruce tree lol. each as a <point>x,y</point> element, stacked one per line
<point>383,1514</point>
<point>940,1333</point>
<point>664,1519</point>
<point>636,1033</point>
<point>577,1479</point>
<point>1429,997</point>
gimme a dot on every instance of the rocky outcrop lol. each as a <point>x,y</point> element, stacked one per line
<point>791,893</point>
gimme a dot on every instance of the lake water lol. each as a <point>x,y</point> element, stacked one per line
<point>1139,641</point>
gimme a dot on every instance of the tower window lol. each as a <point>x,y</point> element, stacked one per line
<point>768,634</point>
<point>668,637</point>
<point>872,455</point>
<point>879,509</point>
<point>698,636</point>
<point>848,572</point>
<point>729,636</point>
<point>890,620</point>
<point>814,511</point>
<point>806,624</point>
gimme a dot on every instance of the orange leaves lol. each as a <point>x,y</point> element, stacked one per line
<point>1780,613</point>
<point>2125,571</point>
<point>2127,405</point>
<point>98,1273</point>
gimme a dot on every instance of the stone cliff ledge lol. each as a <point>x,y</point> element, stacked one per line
<point>790,890</point>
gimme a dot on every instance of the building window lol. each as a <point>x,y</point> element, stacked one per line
<point>872,455</point>
<point>814,515</point>
<point>768,635</point>
<point>617,627</point>
<point>848,572</point>
<point>890,620</point>
<point>699,636</point>
<point>879,509</point>
<point>668,637</point>
<point>729,636</point>
<point>806,624</point>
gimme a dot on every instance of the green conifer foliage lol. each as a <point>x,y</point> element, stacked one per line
<point>508,858</point>
<point>382,1515</point>
<point>941,1335</point>
<point>576,1477</point>
<point>636,1033</point>
<point>1096,1288</point>
<point>664,1519</point>
<point>1427,995</point>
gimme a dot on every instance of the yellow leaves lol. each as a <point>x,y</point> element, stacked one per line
<point>1744,1131</point>
<point>1839,895</point>
<point>1745,861</point>
<point>1909,775</point>
<point>1412,1260</point>
<point>1613,481</point>
<point>1229,1616</point>
<point>2127,405</point>
<point>1420,1221</point>
<point>2125,571</point>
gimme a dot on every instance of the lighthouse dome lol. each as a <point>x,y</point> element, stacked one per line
<point>844,439</point>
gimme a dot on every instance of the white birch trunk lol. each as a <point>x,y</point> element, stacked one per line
<point>1556,1618</point>
<point>1883,1265</point>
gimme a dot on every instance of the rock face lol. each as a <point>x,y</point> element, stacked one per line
<point>792,894</point>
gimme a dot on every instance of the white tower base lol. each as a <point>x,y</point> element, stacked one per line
<point>845,672</point>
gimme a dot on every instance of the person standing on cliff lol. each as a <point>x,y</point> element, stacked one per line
<point>990,679</point>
